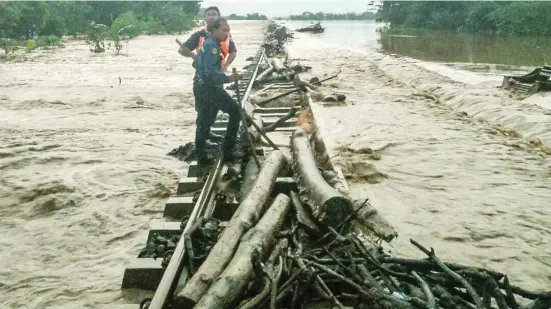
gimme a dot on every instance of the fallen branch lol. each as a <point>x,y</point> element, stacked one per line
<point>281,120</point>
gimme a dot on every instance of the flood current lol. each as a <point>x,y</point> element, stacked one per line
<point>84,170</point>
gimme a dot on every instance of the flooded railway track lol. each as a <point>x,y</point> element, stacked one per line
<point>224,228</point>
<point>199,196</point>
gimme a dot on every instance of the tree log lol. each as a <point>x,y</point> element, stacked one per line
<point>281,120</point>
<point>304,216</point>
<point>369,217</point>
<point>328,205</point>
<point>232,283</point>
<point>266,73</point>
<point>246,215</point>
<point>250,173</point>
<point>277,64</point>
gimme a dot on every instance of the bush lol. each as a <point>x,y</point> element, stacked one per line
<point>96,37</point>
<point>7,44</point>
<point>30,45</point>
<point>48,40</point>
<point>128,23</point>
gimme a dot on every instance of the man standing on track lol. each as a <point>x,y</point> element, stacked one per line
<point>208,86</point>
<point>196,40</point>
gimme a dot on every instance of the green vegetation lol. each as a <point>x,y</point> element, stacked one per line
<point>254,16</point>
<point>43,23</point>
<point>332,16</point>
<point>518,18</point>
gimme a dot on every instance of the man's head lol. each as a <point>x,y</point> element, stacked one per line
<point>220,29</point>
<point>211,14</point>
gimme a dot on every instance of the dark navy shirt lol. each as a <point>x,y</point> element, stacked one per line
<point>208,66</point>
<point>193,41</point>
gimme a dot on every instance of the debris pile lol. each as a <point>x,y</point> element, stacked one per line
<point>339,271</point>
<point>314,28</point>
<point>303,250</point>
<point>533,82</point>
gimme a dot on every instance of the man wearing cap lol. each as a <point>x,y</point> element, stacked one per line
<point>208,87</point>
<point>195,41</point>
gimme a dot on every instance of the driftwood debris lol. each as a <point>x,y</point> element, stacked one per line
<point>328,205</point>
<point>248,212</point>
<point>231,284</point>
<point>323,264</point>
<point>314,28</point>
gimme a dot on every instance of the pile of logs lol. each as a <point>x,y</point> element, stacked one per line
<point>281,256</point>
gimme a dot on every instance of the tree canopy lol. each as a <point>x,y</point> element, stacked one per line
<point>254,16</point>
<point>333,16</point>
<point>20,18</point>
<point>521,18</point>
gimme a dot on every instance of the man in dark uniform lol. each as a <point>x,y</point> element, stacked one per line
<point>211,96</point>
<point>196,40</point>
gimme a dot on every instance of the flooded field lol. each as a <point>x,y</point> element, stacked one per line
<point>83,163</point>
<point>84,168</point>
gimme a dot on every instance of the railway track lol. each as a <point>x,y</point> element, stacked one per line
<point>200,196</point>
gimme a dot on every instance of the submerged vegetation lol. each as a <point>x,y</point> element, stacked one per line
<point>105,23</point>
<point>515,18</point>
<point>333,16</point>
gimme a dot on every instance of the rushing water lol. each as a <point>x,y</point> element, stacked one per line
<point>84,169</point>
<point>448,176</point>
<point>83,164</point>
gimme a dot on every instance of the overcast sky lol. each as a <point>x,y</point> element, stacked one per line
<point>273,8</point>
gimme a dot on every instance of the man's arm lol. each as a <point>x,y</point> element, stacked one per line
<point>232,53</point>
<point>211,64</point>
<point>186,49</point>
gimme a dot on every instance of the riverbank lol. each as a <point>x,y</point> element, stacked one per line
<point>438,174</point>
<point>84,167</point>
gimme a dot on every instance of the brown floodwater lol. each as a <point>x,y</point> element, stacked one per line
<point>84,170</point>
<point>463,166</point>
<point>83,164</point>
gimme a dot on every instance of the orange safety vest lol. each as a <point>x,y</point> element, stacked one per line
<point>224,46</point>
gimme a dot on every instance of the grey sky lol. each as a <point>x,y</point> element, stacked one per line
<point>273,8</point>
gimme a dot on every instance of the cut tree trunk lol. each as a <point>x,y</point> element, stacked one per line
<point>370,219</point>
<point>277,64</point>
<point>266,73</point>
<point>246,215</point>
<point>233,282</point>
<point>328,205</point>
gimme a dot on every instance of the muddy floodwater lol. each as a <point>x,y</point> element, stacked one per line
<point>84,170</point>
<point>83,164</point>
<point>454,171</point>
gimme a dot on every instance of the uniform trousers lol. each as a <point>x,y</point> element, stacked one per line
<point>208,100</point>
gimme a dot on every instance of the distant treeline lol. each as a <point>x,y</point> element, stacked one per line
<point>521,18</point>
<point>254,16</point>
<point>23,20</point>
<point>333,16</point>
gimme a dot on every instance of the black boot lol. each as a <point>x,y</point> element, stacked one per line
<point>233,155</point>
<point>204,161</point>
